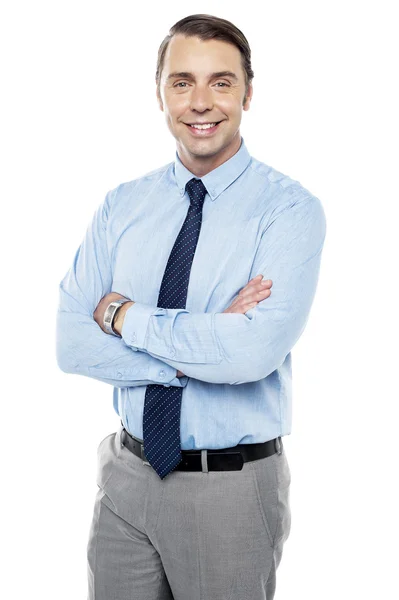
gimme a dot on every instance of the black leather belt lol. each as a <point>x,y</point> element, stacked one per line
<point>223,459</point>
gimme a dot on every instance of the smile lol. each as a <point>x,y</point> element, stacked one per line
<point>203,130</point>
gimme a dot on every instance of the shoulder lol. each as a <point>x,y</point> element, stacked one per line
<point>279,189</point>
<point>144,180</point>
<point>275,181</point>
<point>281,195</point>
<point>129,189</point>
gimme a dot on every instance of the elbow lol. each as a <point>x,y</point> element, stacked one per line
<point>67,344</point>
<point>64,362</point>
<point>238,374</point>
<point>63,354</point>
<point>61,365</point>
<point>271,364</point>
<point>249,371</point>
<point>61,359</point>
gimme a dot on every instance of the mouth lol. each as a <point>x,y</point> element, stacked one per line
<point>204,131</point>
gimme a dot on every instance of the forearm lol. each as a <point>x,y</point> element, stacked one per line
<point>220,347</point>
<point>193,344</point>
<point>82,348</point>
<point>118,324</point>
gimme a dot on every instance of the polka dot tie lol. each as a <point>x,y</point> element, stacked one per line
<point>162,405</point>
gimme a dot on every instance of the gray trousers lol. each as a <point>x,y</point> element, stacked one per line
<point>202,535</point>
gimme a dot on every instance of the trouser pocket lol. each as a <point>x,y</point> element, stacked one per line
<point>272,480</point>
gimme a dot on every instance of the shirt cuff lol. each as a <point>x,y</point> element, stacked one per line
<point>179,381</point>
<point>163,374</point>
<point>134,331</point>
<point>135,324</point>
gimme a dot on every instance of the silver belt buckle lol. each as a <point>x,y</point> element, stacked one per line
<point>143,456</point>
<point>279,445</point>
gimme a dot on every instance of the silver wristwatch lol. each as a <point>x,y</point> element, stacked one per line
<point>110,313</point>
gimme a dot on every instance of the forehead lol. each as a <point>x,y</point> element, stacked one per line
<point>201,57</point>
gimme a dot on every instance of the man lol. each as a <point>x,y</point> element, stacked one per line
<point>193,499</point>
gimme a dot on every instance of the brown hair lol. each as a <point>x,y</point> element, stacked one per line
<point>207,27</point>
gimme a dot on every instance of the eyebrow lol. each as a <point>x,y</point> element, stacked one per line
<point>187,75</point>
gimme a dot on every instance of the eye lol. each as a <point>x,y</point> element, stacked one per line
<point>184,83</point>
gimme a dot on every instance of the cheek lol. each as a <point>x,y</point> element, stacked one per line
<point>176,105</point>
<point>229,105</point>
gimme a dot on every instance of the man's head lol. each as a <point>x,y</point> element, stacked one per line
<point>204,75</point>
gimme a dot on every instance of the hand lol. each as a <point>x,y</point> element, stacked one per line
<point>98,314</point>
<point>255,291</point>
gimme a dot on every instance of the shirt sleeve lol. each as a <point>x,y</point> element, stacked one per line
<point>239,348</point>
<point>82,347</point>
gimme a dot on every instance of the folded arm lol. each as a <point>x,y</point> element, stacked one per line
<point>239,348</point>
<point>81,345</point>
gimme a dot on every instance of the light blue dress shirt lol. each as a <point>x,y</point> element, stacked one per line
<point>238,380</point>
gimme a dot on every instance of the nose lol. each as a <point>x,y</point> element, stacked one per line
<point>201,98</point>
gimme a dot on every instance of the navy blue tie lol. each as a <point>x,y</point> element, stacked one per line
<point>162,405</point>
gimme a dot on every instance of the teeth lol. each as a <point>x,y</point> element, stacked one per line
<point>207,126</point>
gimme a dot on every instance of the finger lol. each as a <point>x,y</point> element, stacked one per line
<point>252,290</point>
<point>253,281</point>
<point>248,296</point>
<point>247,308</point>
<point>255,284</point>
<point>258,280</point>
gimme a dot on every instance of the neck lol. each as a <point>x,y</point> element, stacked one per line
<point>201,165</point>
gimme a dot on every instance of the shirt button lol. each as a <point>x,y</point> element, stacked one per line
<point>133,337</point>
<point>119,374</point>
<point>162,373</point>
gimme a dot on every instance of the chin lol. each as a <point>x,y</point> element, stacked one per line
<point>203,152</point>
<point>205,145</point>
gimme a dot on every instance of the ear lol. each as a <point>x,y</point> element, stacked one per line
<point>248,97</point>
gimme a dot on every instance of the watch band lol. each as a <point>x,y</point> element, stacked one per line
<point>109,315</point>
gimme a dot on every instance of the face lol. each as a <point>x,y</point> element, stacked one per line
<point>191,93</point>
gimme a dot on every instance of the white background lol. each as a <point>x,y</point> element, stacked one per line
<point>79,116</point>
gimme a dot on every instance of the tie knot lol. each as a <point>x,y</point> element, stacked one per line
<point>196,191</point>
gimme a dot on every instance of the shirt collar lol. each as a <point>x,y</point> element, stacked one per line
<point>219,179</point>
